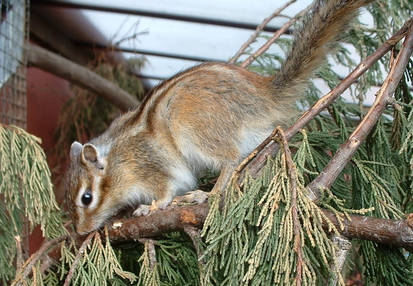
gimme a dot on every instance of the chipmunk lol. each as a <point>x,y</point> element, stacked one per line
<point>208,117</point>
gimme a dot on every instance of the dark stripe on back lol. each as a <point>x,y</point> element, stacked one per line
<point>140,111</point>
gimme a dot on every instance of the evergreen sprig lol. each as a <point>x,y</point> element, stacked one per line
<point>27,193</point>
<point>98,263</point>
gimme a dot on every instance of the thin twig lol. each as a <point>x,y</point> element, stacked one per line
<point>258,162</point>
<point>236,174</point>
<point>79,255</point>
<point>47,262</point>
<point>296,222</point>
<point>27,266</point>
<point>260,27</point>
<point>19,256</point>
<point>34,275</point>
<point>326,178</point>
<point>276,35</point>
<point>152,254</point>
<point>343,245</point>
<point>150,246</point>
<point>194,234</point>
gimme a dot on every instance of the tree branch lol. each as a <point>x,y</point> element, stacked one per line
<point>77,74</point>
<point>276,35</point>
<point>150,246</point>
<point>79,256</point>
<point>398,233</point>
<point>19,254</point>
<point>385,231</point>
<point>175,218</point>
<point>159,222</point>
<point>260,27</point>
<point>343,245</point>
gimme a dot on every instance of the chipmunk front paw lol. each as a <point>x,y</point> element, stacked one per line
<point>142,210</point>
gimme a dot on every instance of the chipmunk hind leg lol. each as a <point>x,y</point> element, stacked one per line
<point>224,177</point>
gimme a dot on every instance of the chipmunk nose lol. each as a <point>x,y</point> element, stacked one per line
<point>80,230</point>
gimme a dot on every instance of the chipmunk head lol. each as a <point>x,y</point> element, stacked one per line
<point>83,184</point>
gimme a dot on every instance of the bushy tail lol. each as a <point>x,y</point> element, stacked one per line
<point>316,37</point>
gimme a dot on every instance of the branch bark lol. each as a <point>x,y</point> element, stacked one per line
<point>159,222</point>
<point>343,245</point>
<point>397,233</point>
<point>77,74</point>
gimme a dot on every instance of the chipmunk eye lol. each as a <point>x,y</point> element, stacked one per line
<point>87,197</point>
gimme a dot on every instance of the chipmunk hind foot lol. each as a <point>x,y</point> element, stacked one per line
<point>197,196</point>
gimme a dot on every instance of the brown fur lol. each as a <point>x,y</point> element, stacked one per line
<point>208,117</point>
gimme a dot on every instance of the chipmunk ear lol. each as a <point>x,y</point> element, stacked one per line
<point>90,156</point>
<point>75,150</point>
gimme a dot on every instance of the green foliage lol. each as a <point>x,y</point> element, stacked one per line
<point>174,261</point>
<point>27,197</point>
<point>256,227</point>
<point>98,264</point>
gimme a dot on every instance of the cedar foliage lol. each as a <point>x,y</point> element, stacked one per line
<point>253,239</point>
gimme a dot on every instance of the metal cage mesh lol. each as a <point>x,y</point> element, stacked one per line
<point>13,34</point>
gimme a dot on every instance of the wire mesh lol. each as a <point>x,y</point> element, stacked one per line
<point>13,34</point>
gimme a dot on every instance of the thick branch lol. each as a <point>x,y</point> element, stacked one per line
<point>398,233</point>
<point>258,162</point>
<point>159,222</point>
<point>77,74</point>
<point>386,231</point>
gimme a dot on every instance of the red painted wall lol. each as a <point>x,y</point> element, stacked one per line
<point>46,94</point>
